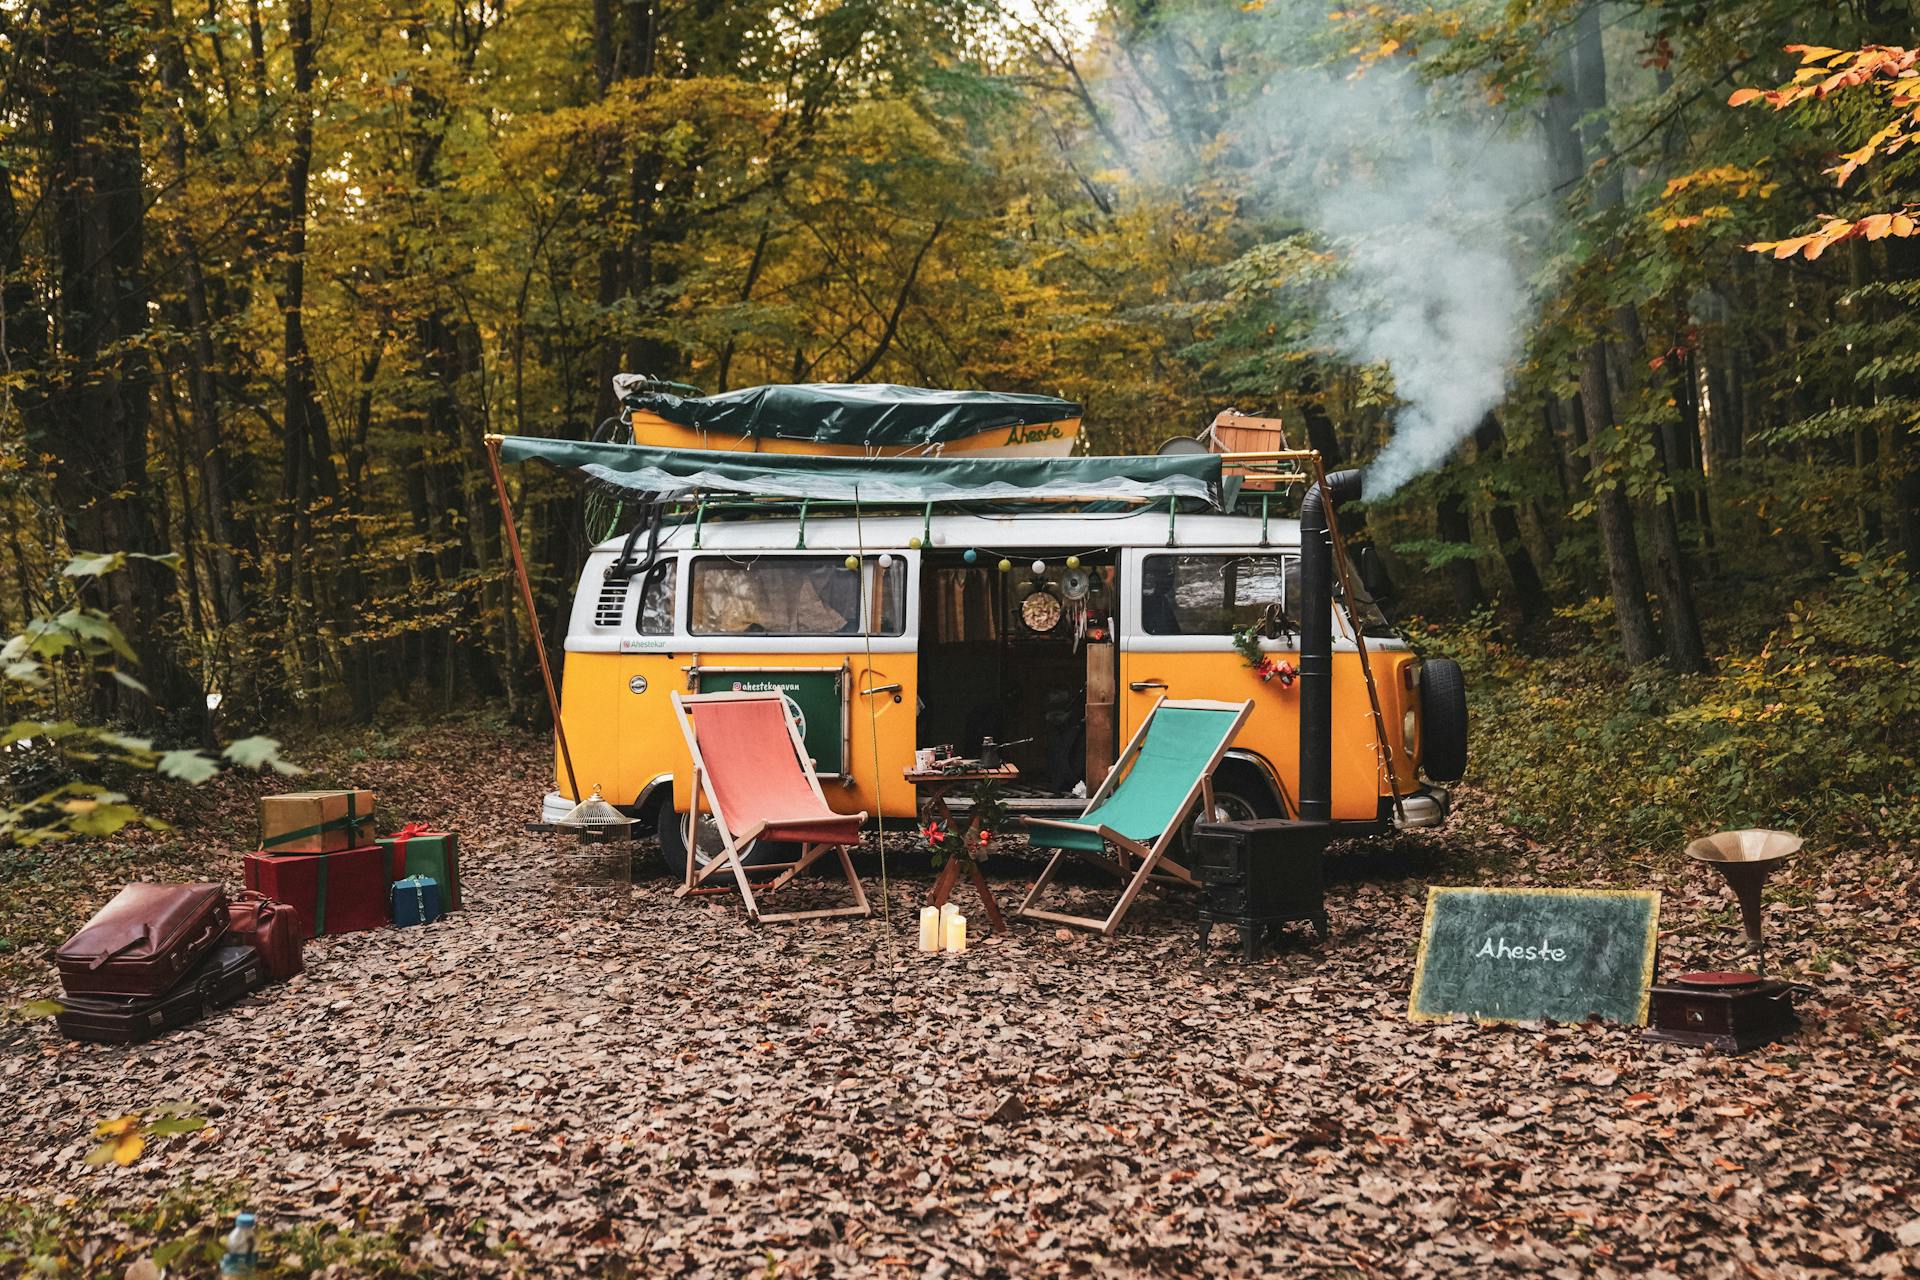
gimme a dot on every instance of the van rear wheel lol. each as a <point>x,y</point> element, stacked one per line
<point>672,827</point>
<point>1239,795</point>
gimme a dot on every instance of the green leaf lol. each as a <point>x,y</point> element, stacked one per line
<point>92,566</point>
<point>92,625</point>
<point>38,1009</point>
<point>102,819</point>
<point>129,681</point>
<point>256,753</point>
<point>172,1251</point>
<point>193,767</point>
<point>27,672</point>
<point>172,1125</point>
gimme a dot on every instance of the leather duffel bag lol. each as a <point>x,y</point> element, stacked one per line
<point>142,942</point>
<point>270,928</point>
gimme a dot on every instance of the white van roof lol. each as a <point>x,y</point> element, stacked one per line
<point>1067,530</point>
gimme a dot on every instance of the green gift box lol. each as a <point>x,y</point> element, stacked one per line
<point>418,850</point>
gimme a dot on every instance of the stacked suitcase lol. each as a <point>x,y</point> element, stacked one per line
<point>152,960</point>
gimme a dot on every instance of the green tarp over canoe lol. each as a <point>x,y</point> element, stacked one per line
<point>669,472</point>
<point>872,414</point>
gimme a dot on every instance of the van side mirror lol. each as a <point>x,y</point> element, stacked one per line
<point>1372,572</point>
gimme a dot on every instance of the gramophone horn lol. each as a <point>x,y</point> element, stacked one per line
<point>1746,859</point>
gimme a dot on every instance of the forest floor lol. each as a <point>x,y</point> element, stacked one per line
<point>578,1075</point>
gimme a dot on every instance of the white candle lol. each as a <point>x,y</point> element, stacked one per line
<point>955,932</point>
<point>929,928</point>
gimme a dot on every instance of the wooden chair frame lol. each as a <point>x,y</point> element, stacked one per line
<point>734,843</point>
<point>1136,863</point>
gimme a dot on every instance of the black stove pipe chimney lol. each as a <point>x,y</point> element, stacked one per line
<point>1316,644</point>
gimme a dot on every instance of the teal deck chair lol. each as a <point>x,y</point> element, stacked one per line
<point>1137,811</point>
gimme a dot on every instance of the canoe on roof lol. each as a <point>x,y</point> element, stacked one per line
<point>850,419</point>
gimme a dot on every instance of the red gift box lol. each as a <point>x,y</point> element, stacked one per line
<point>342,892</point>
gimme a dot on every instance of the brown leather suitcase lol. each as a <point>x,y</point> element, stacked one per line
<point>142,942</point>
<point>271,928</point>
<point>225,976</point>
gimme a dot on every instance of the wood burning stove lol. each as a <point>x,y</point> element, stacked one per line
<point>1259,874</point>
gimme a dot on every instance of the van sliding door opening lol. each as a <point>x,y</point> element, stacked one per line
<point>1026,659</point>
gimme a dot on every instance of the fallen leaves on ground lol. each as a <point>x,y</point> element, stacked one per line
<point>578,1074</point>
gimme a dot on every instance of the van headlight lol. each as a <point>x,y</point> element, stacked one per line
<point>1410,731</point>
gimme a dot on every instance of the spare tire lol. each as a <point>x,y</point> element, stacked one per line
<point>1443,720</point>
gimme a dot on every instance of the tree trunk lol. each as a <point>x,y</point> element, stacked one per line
<point>1450,524</point>
<point>1529,594</point>
<point>1614,516</point>
<point>91,415</point>
<point>209,460</point>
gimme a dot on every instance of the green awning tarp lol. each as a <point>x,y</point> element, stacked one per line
<point>681,472</point>
<point>871,414</point>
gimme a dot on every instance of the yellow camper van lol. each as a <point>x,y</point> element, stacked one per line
<point>1043,603</point>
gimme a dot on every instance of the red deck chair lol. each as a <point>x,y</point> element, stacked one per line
<point>754,775</point>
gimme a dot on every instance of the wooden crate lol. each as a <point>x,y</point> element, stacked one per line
<point>1233,432</point>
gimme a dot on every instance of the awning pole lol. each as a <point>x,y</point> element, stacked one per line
<point>533,614</point>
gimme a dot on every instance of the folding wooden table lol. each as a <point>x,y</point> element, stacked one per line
<point>933,786</point>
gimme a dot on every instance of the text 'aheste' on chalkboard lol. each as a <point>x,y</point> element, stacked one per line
<point>1519,955</point>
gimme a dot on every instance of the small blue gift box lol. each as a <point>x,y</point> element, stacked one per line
<point>416,900</point>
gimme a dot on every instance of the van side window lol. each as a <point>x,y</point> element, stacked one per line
<point>1215,595</point>
<point>656,600</point>
<point>794,596</point>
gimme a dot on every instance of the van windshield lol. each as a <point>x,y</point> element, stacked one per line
<point>795,596</point>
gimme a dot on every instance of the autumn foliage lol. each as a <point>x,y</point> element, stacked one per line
<point>1890,72</point>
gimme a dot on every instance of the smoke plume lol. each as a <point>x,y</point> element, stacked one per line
<point>1425,191</point>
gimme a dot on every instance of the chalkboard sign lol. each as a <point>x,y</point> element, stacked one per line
<point>1512,955</point>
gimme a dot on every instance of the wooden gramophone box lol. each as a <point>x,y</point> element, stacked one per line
<point>1733,1012</point>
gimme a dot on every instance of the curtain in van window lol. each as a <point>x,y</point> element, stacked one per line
<point>792,596</point>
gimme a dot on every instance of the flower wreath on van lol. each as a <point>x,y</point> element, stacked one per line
<point>1247,641</point>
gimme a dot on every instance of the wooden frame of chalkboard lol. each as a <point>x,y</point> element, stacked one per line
<point>1613,937</point>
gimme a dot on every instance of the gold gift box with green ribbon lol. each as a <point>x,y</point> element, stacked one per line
<point>316,821</point>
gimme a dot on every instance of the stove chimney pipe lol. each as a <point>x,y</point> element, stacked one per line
<point>1316,644</point>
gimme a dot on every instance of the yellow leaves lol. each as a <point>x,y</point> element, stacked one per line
<point>1834,231</point>
<point>1734,178</point>
<point>1725,179</point>
<point>1854,159</point>
<point>1366,57</point>
<point>120,1141</point>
